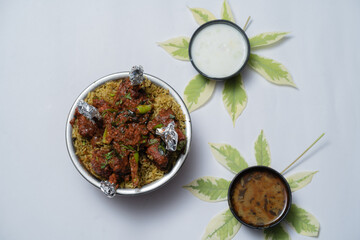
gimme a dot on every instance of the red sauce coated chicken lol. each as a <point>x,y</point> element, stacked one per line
<point>126,134</point>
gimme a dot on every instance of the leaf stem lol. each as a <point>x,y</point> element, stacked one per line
<point>247,22</point>
<point>303,153</point>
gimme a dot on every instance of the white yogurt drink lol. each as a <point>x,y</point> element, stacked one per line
<point>219,50</point>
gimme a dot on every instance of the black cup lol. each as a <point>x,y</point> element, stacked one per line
<point>212,23</point>
<point>265,170</point>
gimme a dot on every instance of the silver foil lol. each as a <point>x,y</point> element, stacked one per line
<point>90,112</point>
<point>136,75</point>
<point>169,136</point>
<point>108,189</point>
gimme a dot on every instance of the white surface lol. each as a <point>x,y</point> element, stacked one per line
<point>219,50</point>
<point>51,50</point>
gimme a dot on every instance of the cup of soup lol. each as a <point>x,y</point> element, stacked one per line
<point>259,197</point>
<point>219,49</point>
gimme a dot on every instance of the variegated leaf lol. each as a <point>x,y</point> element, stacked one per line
<point>209,189</point>
<point>271,70</point>
<point>262,151</point>
<point>226,12</point>
<point>202,15</point>
<point>177,47</point>
<point>267,38</point>
<point>198,91</point>
<point>303,222</point>
<point>223,226</point>
<point>276,233</point>
<point>234,97</point>
<point>300,180</point>
<point>228,156</point>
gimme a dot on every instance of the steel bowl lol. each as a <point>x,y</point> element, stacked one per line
<point>124,191</point>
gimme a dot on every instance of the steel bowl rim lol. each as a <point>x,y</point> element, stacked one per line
<point>149,187</point>
<point>287,186</point>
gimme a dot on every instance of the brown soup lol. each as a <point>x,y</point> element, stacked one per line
<point>259,197</point>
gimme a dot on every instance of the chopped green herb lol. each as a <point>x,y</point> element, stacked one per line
<point>153,141</point>
<point>181,145</point>
<point>131,148</point>
<point>118,102</point>
<point>108,110</point>
<point>112,94</point>
<point>108,155</point>
<point>103,165</point>
<point>158,126</point>
<point>128,96</point>
<point>128,147</point>
<point>115,124</point>
<point>162,149</point>
<point>83,142</point>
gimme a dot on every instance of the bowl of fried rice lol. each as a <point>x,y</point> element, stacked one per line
<point>122,151</point>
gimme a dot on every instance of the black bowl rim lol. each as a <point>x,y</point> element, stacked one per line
<point>263,168</point>
<point>222,21</point>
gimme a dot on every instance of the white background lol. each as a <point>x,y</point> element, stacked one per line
<point>51,50</point>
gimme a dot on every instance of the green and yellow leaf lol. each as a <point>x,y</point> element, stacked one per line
<point>234,97</point>
<point>223,226</point>
<point>267,38</point>
<point>228,156</point>
<point>303,222</point>
<point>262,151</point>
<point>276,233</point>
<point>202,15</point>
<point>209,189</point>
<point>300,180</point>
<point>177,47</point>
<point>198,91</point>
<point>271,70</point>
<point>226,12</point>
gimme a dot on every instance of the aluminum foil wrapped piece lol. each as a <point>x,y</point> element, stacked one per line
<point>169,136</point>
<point>90,112</point>
<point>108,189</point>
<point>136,75</point>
